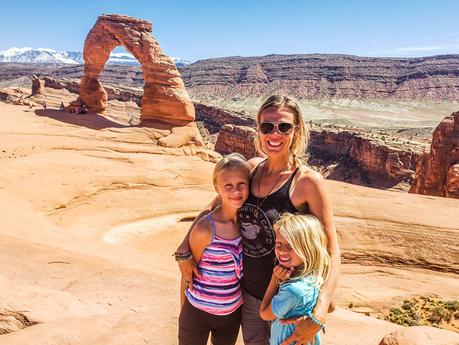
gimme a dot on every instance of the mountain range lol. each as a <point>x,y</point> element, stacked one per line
<point>51,56</point>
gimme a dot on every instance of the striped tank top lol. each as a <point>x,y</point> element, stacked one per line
<point>218,291</point>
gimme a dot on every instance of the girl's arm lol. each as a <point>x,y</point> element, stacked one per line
<point>188,268</point>
<point>200,237</point>
<point>266,311</point>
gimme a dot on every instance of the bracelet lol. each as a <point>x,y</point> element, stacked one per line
<point>315,320</point>
<point>182,256</point>
<point>183,259</point>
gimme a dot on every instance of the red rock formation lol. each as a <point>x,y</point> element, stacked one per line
<point>164,98</point>
<point>438,170</point>
<point>37,85</point>
<point>372,156</point>
<point>452,182</point>
<point>239,139</point>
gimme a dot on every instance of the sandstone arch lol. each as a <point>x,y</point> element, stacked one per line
<point>164,98</point>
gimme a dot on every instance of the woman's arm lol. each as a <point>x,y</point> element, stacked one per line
<point>266,311</point>
<point>312,186</point>
<point>320,206</point>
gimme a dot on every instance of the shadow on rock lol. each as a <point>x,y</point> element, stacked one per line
<point>89,120</point>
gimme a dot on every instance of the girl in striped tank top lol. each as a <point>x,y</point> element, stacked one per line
<point>212,305</point>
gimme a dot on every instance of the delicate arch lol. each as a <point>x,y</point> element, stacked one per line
<point>164,97</point>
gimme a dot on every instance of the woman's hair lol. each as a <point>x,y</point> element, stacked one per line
<point>231,161</point>
<point>301,133</point>
<point>306,236</point>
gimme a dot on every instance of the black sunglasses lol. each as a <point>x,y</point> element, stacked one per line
<point>281,127</point>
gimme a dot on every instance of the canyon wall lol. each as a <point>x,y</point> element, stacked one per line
<point>438,170</point>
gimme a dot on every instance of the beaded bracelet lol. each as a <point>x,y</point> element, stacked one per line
<point>316,321</point>
<point>182,256</point>
<point>183,259</point>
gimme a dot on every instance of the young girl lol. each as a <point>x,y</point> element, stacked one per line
<point>301,247</point>
<point>213,301</point>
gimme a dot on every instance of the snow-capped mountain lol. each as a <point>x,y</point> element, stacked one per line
<point>46,55</point>
<point>40,55</point>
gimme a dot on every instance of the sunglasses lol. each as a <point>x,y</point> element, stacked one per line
<point>281,127</point>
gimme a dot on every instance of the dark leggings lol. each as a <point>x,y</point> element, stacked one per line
<point>195,326</point>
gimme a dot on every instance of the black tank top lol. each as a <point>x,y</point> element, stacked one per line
<point>258,237</point>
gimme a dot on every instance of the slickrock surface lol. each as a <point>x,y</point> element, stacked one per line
<point>438,170</point>
<point>420,336</point>
<point>124,109</point>
<point>164,95</point>
<point>91,210</point>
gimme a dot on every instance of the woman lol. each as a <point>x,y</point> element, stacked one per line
<point>279,183</point>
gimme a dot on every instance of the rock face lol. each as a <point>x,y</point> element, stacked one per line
<point>373,156</point>
<point>164,98</point>
<point>319,76</point>
<point>421,335</point>
<point>375,159</point>
<point>37,85</point>
<point>214,117</point>
<point>438,170</point>
<point>239,139</point>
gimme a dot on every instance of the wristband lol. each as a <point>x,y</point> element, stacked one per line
<point>315,320</point>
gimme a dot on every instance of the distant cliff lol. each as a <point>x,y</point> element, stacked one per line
<point>324,76</point>
<point>303,76</point>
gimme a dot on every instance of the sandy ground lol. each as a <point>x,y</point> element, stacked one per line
<point>90,212</point>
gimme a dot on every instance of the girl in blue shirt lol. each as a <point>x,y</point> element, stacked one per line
<point>301,250</point>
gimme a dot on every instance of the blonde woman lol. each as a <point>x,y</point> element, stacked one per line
<point>279,183</point>
<point>301,247</point>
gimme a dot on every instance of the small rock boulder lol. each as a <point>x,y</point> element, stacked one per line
<point>421,335</point>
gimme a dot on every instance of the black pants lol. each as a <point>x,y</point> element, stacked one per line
<point>195,326</point>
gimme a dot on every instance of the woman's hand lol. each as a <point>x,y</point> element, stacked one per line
<point>305,331</point>
<point>187,269</point>
<point>283,273</point>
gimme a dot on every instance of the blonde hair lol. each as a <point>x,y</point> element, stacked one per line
<point>231,161</point>
<point>301,133</point>
<point>306,236</point>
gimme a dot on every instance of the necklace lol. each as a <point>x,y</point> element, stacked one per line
<point>259,203</point>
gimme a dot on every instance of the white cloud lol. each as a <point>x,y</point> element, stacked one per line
<point>426,48</point>
<point>418,49</point>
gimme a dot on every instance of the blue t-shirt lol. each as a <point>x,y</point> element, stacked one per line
<point>295,297</point>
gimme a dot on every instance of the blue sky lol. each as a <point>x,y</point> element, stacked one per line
<point>203,29</point>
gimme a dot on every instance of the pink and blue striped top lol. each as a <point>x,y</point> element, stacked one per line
<point>218,291</point>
